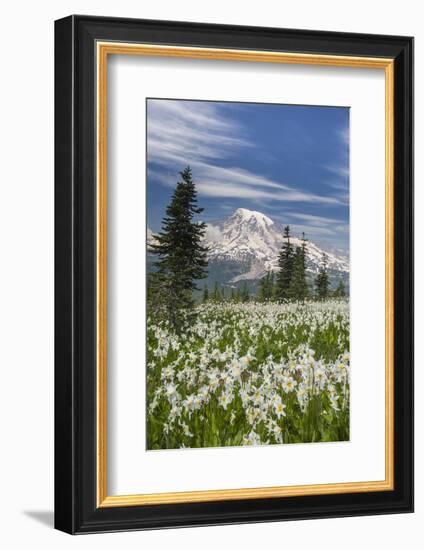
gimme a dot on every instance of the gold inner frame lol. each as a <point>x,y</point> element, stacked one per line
<point>104,49</point>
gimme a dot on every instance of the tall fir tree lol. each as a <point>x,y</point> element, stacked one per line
<point>238,295</point>
<point>266,287</point>
<point>298,289</point>
<point>285,264</point>
<point>154,302</point>
<point>205,294</point>
<point>181,256</point>
<point>340,291</point>
<point>272,286</point>
<point>245,294</point>
<point>262,289</point>
<point>216,295</point>
<point>322,283</point>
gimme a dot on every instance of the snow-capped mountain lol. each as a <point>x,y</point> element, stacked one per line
<point>253,239</point>
<point>245,245</point>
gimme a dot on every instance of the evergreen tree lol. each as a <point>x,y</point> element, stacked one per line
<point>245,295</point>
<point>285,264</point>
<point>322,281</point>
<point>298,289</point>
<point>262,290</point>
<point>272,286</point>
<point>205,294</point>
<point>233,295</point>
<point>266,287</point>
<point>218,293</point>
<point>154,303</point>
<point>340,291</point>
<point>181,256</point>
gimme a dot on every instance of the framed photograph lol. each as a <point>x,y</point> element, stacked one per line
<point>234,274</point>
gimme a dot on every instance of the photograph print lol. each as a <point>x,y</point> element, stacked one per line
<point>247,256</point>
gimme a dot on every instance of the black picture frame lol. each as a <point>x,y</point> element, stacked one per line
<point>76,510</point>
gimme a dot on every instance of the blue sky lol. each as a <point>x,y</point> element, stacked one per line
<point>290,162</point>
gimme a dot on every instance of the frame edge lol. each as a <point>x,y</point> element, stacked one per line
<point>64,449</point>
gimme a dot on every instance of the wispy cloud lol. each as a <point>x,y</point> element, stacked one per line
<point>316,220</point>
<point>319,229</point>
<point>199,134</point>
<point>228,188</point>
<point>190,131</point>
<point>311,231</point>
<point>341,169</point>
<point>327,237</point>
<point>340,181</point>
<point>344,135</point>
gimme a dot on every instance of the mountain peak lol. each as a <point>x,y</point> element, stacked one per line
<point>243,214</point>
<point>252,240</point>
